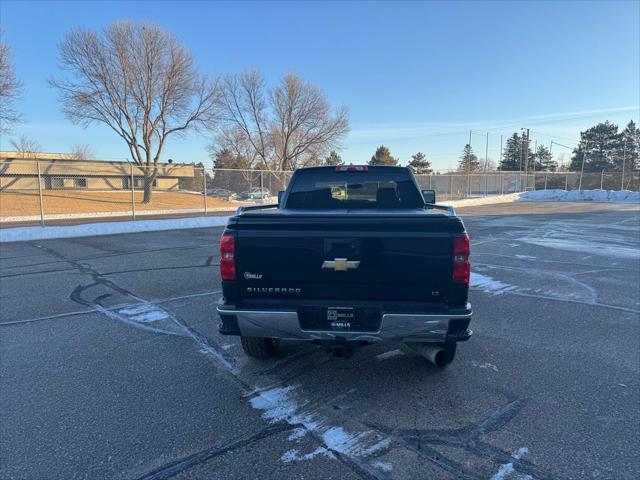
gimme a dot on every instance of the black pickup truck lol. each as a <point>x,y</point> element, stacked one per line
<point>350,255</point>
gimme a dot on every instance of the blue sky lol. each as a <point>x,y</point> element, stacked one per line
<point>416,76</point>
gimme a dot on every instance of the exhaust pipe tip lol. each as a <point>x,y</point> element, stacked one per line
<point>442,358</point>
<point>438,355</point>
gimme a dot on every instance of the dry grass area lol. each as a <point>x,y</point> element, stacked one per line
<point>58,202</point>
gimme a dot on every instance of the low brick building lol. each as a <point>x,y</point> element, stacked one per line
<point>59,171</point>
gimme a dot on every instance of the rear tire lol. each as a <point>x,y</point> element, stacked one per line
<point>260,347</point>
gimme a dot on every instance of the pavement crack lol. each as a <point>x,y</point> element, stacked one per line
<point>469,438</point>
<point>171,469</point>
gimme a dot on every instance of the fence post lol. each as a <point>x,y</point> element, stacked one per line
<point>501,184</point>
<point>133,194</point>
<point>451,187</point>
<point>261,187</point>
<point>602,179</point>
<point>40,194</point>
<point>545,181</point>
<point>204,190</point>
<point>469,184</point>
<point>486,180</point>
<point>566,182</point>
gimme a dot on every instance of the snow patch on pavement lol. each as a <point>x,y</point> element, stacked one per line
<point>606,196</point>
<point>384,466</point>
<point>503,472</point>
<point>489,285</point>
<point>145,316</point>
<point>521,452</point>
<point>297,434</point>
<point>21,234</point>
<point>489,366</point>
<point>280,405</point>
<point>294,455</point>
<point>607,240</point>
<point>506,469</point>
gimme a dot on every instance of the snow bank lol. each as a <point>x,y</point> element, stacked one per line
<point>21,234</point>
<point>608,196</point>
<point>93,215</point>
<point>469,202</point>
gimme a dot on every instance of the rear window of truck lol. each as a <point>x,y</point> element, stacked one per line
<point>325,190</point>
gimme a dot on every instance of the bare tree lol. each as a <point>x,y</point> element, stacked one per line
<point>10,89</point>
<point>82,151</point>
<point>138,80</point>
<point>25,146</point>
<point>286,126</point>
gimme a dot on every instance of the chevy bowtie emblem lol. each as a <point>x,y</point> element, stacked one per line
<point>341,264</point>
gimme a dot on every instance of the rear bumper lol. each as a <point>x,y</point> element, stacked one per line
<point>394,327</point>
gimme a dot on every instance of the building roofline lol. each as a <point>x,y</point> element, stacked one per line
<point>66,157</point>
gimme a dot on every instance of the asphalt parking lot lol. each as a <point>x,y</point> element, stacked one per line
<point>111,365</point>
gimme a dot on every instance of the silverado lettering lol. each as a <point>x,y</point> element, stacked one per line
<point>273,290</point>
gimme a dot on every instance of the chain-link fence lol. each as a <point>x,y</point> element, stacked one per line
<point>39,190</point>
<point>459,186</point>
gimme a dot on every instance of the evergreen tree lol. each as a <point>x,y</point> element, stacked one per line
<point>224,159</point>
<point>544,160</point>
<point>419,164</point>
<point>383,157</point>
<point>630,148</point>
<point>602,144</point>
<point>511,155</point>
<point>468,161</point>
<point>333,159</point>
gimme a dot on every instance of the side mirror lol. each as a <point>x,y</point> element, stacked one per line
<point>280,195</point>
<point>429,196</point>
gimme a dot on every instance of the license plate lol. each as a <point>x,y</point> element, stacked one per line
<point>343,318</point>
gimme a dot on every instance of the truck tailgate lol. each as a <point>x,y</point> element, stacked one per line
<point>390,256</point>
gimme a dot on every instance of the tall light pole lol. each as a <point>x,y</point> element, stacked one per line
<point>486,154</point>
<point>526,154</point>
<point>584,157</point>
<point>468,167</point>
<point>486,165</point>
<point>624,160</point>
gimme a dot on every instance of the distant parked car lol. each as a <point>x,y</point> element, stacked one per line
<point>256,194</point>
<point>222,193</point>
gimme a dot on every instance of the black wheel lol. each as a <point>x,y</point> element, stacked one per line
<point>260,347</point>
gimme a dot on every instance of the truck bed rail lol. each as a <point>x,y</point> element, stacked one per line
<point>246,208</point>
<point>448,208</point>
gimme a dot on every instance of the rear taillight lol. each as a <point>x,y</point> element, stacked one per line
<point>461,265</point>
<point>227,260</point>
<point>352,168</point>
